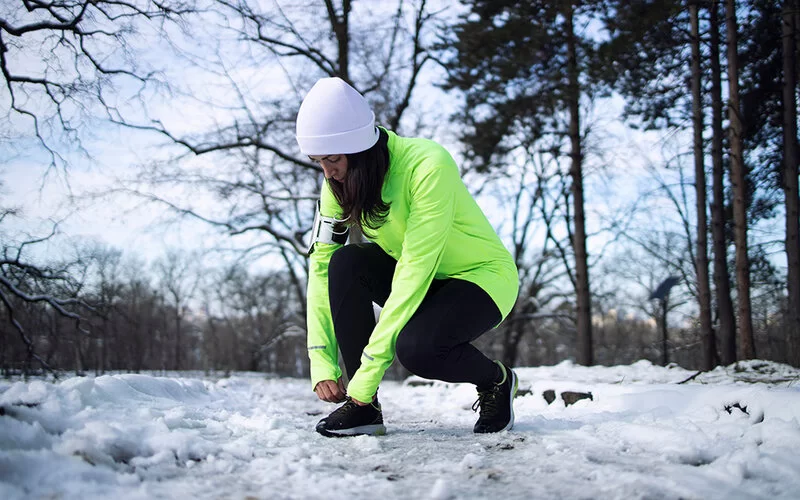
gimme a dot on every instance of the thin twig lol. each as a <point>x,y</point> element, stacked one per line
<point>690,378</point>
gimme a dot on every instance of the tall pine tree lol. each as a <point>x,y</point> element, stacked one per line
<point>791,8</point>
<point>738,177</point>
<point>524,68</point>
<point>701,252</point>
<point>769,112</point>
<point>719,219</point>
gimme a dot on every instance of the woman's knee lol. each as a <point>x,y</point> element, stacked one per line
<point>415,352</point>
<point>349,260</point>
<point>346,257</point>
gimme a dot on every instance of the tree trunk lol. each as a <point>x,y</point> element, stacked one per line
<point>341,30</point>
<point>102,348</point>
<point>790,184</point>
<point>584,308</point>
<point>340,24</point>
<point>701,258</point>
<point>722,282</point>
<point>178,336</point>
<point>738,183</point>
<point>664,332</point>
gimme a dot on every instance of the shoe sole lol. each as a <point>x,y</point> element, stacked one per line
<point>514,386</point>
<point>363,430</point>
<point>510,424</point>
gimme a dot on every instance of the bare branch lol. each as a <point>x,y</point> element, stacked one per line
<point>57,304</point>
<point>31,349</point>
<point>79,44</point>
<point>418,60</point>
<point>232,229</point>
<point>260,23</point>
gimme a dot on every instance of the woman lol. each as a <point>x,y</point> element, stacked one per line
<point>437,268</point>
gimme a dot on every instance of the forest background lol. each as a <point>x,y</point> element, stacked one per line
<point>639,159</point>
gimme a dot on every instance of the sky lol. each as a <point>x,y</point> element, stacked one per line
<point>222,60</point>
<point>732,433</point>
<point>149,231</point>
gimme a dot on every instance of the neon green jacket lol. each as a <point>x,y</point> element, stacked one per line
<point>434,229</point>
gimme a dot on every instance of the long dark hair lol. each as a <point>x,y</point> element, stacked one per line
<point>359,194</point>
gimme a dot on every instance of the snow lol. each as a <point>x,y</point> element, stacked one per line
<point>731,433</point>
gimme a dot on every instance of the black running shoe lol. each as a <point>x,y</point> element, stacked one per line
<point>351,419</point>
<point>497,404</point>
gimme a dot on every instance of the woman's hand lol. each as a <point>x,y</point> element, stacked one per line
<point>330,391</point>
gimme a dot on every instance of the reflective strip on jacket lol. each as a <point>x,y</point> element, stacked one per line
<point>434,229</point>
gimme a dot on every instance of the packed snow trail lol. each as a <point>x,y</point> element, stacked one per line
<point>642,435</point>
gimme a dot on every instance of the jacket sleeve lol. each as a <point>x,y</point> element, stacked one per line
<point>431,212</point>
<point>323,351</point>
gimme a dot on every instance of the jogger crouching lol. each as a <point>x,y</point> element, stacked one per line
<point>435,265</point>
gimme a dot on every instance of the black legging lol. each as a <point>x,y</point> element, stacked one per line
<point>435,343</point>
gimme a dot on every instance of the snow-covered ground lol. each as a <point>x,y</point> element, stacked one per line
<point>642,435</point>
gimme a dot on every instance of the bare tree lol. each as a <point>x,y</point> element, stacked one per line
<point>246,165</point>
<point>86,63</point>
<point>66,62</point>
<point>247,319</point>
<point>650,255</point>
<point>143,316</point>
<point>523,190</point>
<point>140,315</point>
<point>44,288</point>
<point>108,288</point>
<point>178,275</point>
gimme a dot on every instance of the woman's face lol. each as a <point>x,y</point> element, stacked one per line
<point>334,166</point>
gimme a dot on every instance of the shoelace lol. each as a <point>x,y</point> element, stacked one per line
<point>345,408</point>
<point>487,401</point>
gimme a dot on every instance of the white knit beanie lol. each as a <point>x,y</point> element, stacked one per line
<point>335,119</point>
